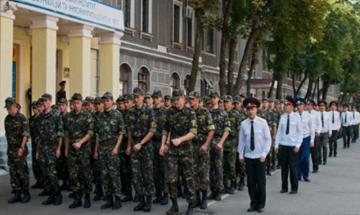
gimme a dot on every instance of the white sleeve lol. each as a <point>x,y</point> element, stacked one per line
<point>267,140</point>
<point>242,142</point>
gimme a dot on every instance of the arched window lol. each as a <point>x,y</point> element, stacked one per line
<point>175,81</point>
<point>143,79</point>
<point>125,78</point>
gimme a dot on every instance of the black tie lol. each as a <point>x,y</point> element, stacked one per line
<point>353,115</point>
<point>345,117</point>
<point>252,138</point>
<point>333,117</point>
<point>322,119</point>
<point>288,125</point>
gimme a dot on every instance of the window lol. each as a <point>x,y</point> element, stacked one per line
<point>146,16</point>
<point>175,81</point>
<point>177,24</point>
<point>187,81</point>
<point>127,12</point>
<point>143,79</point>
<point>125,78</point>
<point>210,41</point>
<point>189,27</point>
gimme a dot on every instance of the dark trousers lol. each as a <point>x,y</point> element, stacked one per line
<point>304,159</point>
<point>288,162</point>
<point>323,148</point>
<point>346,136</point>
<point>256,182</point>
<point>333,143</point>
<point>355,133</point>
<point>314,155</point>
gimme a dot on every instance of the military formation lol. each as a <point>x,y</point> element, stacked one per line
<point>152,148</point>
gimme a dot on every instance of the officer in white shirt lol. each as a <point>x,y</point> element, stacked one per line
<point>315,117</point>
<point>335,128</point>
<point>355,124</point>
<point>308,141</point>
<point>325,132</point>
<point>288,141</point>
<point>254,146</point>
<point>346,125</point>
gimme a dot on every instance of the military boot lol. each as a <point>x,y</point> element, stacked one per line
<point>117,203</point>
<point>15,198</point>
<point>147,205</point>
<point>26,197</point>
<point>203,204</point>
<point>109,202</point>
<point>174,210</point>
<point>87,202</point>
<point>141,204</point>
<point>77,201</point>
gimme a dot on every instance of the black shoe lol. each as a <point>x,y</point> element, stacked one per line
<point>174,210</point>
<point>141,204</point>
<point>306,179</point>
<point>283,191</point>
<point>165,199</point>
<point>299,178</point>
<point>58,199</point>
<point>50,200</point>
<point>108,203</point>
<point>26,197</point>
<point>324,163</point>
<point>37,185</point>
<point>315,171</point>
<point>127,198</point>
<point>198,200</point>
<point>268,173</point>
<point>330,155</point>
<point>117,203</point>
<point>218,196</point>
<point>15,198</point>
<point>147,205</point>
<point>334,155</point>
<point>212,195</point>
<point>99,193</point>
<point>293,192</point>
<point>65,186</point>
<point>241,184</point>
<point>203,204</point>
<point>260,210</point>
<point>251,209</point>
<point>190,209</point>
<point>87,202</point>
<point>77,201</point>
<point>44,193</point>
<point>231,189</point>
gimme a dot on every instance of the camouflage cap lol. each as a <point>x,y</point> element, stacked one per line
<point>54,107</point>
<point>157,93</point>
<point>76,97</point>
<point>138,91</point>
<point>167,97</point>
<point>35,104</point>
<point>227,98</point>
<point>107,95</point>
<point>46,96</point>
<point>177,93</point>
<point>194,95</point>
<point>89,99</point>
<point>214,94</point>
<point>147,95</point>
<point>10,101</point>
<point>62,101</point>
<point>128,97</point>
<point>236,99</point>
<point>276,101</point>
<point>120,99</point>
<point>98,100</point>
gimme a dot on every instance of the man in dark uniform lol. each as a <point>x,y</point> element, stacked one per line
<point>17,133</point>
<point>61,94</point>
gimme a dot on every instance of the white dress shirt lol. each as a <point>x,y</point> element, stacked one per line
<point>354,118</point>
<point>308,127</point>
<point>346,119</point>
<point>315,117</point>
<point>295,135</point>
<point>336,124</point>
<point>357,117</point>
<point>325,121</point>
<point>262,138</point>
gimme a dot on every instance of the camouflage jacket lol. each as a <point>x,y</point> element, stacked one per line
<point>235,121</point>
<point>16,127</point>
<point>109,125</point>
<point>160,119</point>
<point>221,121</point>
<point>269,116</point>
<point>205,123</point>
<point>76,126</point>
<point>50,127</point>
<point>34,127</point>
<point>180,122</point>
<point>140,121</point>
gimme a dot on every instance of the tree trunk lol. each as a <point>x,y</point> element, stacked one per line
<point>279,89</point>
<point>272,86</point>
<point>301,83</point>
<point>294,83</point>
<point>325,89</point>
<point>309,89</point>
<point>197,52</point>
<point>226,8</point>
<point>231,66</point>
<point>250,72</point>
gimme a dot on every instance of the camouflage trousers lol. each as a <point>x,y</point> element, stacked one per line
<point>216,167</point>
<point>201,167</point>
<point>125,169</point>
<point>159,169</point>
<point>19,172</point>
<point>80,169</point>
<point>47,158</point>
<point>142,169</point>
<point>36,163</point>
<point>110,165</point>
<point>183,156</point>
<point>229,160</point>
<point>62,167</point>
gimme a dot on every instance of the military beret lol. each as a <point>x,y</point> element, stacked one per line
<point>194,94</point>
<point>9,102</point>
<point>177,93</point>
<point>97,100</point>
<point>108,95</point>
<point>322,102</point>
<point>157,93</point>
<point>227,98</point>
<point>46,96</point>
<point>138,91</point>
<point>77,97</point>
<point>291,100</point>
<point>62,101</point>
<point>251,102</point>
<point>300,101</point>
<point>214,94</point>
<point>333,102</point>
<point>167,97</point>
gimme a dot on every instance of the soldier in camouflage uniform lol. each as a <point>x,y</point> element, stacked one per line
<point>141,128</point>
<point>109,130</point>
<point>205,133</point>
<point>17,133</point>
<point>240,167</point>
<point>95,163</point>
<point>222,130</point>
<point>278,111</point>
<point>167,101</point>
<point>88,104</point>
<point>79,128</point>
<point>51,132</point>
<point>159,112</point>
<point>180,129</point>
<point>230,148</point>
<point>34,134</point>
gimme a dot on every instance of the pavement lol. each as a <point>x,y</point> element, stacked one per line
<point>335,190</point>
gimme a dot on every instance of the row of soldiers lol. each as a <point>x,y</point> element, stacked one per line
<point>158,146</point>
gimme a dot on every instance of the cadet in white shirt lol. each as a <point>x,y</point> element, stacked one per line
<point>346,125</point>
<point>288,141</point>
<point>355,124</point>
<point>254,146</point>
<point>335,128</point>
<point>325,132</point>
<point>308,141</point>
<point>315,117</point>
